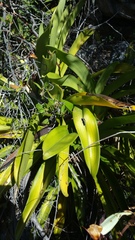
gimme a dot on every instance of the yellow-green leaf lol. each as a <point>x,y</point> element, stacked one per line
<point>21,161</point>
<point>85,98</point>
<point>57,140</point>
<point>4,128</point>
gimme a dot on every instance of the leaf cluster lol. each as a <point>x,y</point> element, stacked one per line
<point>74,161</point>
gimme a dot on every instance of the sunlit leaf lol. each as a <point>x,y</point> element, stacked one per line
<point>6,179</point>
<point>12,134</point>
<point>56,21</point>
<point>68,105</point>
<point>67,80</point>
<point>57,140</point>
<point>22,158</point>
<point>5,151</point>
<point>38,188</point>
<point>5,120</point>
<point>41,29</point>
<point>76,65</point>
<point>47,206</point>
<point>67,21</point>
<point>98,100</point>
<point>56,92</point>
<point>110,222</point>
<point>4,128</point>
<point>63,159</point>
<point>94,231</point>
<point>33,199</point>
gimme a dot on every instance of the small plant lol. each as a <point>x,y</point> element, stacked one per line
<point>77,140</point>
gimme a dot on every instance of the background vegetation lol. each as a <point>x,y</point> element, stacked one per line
<point>66,122</point>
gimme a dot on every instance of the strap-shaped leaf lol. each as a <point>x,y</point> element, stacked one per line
<point>4,128</point>
<point>22,158</point>
<point>38,188</point>
<point>67,80</point>
<point>13,134</point>
<point>121,80</point>
<point>6,179</point>
<point>80,40</point>
<point>47,205</point>
<point>67,20</point>
<point>57,140</point>
<point>63,159</point>
<point>117,121</point>
<point>56,92</point>
<point>60,216</point>
<point>5,151</point>
<point>112,220</point>
<point>85,98</point>
<point>76,65</point>
<point>33,199</point>
<point>104,77</point>
<point>56,21</point>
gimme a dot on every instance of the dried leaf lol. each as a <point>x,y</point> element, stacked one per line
<point>94,231</point>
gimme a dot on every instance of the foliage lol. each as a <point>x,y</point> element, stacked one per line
<point>76,140</point>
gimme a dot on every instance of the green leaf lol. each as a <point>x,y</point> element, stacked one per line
<point>5,151</point>
<point>21,161</point>
<point>6,179</point>
<point>67,81</point>
<point>67,20</point>
<point>41,29</point>
<point>47,205</point>
<point>76,65</point>
<point>3,79</point>
<point>105,195</point>
<point>117,121</point>
<point>33,199</point>
<point>61,29</point>
<point>60,215</point>
<point>68,105</point>
<point>125,91</point>
<point>119,82</point>
<point>85,98</point>
<point>42,41</point>
<point>56,92</point>
<point>124,67</point>
<point>89,136</point>
<point>48,64</point>
<point>55,21</point>
<point>38,188</point>
<point>104,77</point>
<point>57,140</point>
<point>5,120</point>
<point>81,39</point>
<point>113,153</point>
<point>4,128</point>
<point>113,182</point>
<point>109,223</point>
<point>13,134</point>
<point>117,132</point>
